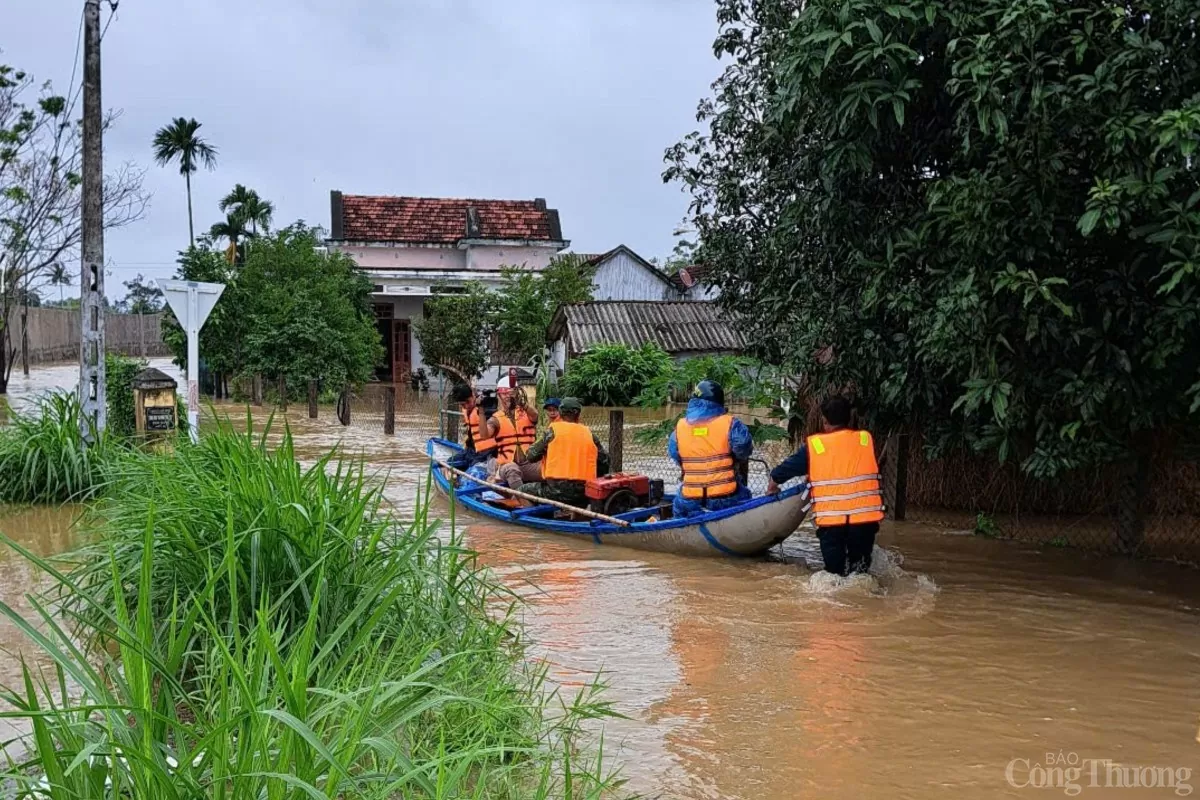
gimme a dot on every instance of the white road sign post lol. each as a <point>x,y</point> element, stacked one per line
<point>192,302</point>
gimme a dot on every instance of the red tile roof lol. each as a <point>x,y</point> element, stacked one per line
<point>432,220</point>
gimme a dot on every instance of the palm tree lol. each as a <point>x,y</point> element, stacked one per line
<point>60,277</point>
<point>252,208</point>
<point>233,228</point>
<point>179,141</point>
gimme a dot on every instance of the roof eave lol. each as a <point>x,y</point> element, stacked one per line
<point>556,244</point>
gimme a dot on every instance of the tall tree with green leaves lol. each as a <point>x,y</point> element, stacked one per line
<point>233,230</point>
<point>453,332</point>
<point>288,311</point>
<point>61,277</point>
<point>527,300</point>
<point>181,141</point>
<point>982,217</point>
<point>252,209</point>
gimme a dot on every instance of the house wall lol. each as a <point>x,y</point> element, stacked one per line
<point>623,278</point>
<point>407,257</point>
<point>493,258</point>
<point>558,354</point>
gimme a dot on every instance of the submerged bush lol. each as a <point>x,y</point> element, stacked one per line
<point>43,458</point>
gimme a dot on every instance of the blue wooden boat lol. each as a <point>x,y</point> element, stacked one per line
<point>745,530</point>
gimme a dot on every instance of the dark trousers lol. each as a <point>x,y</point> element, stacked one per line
<point>847,548</point>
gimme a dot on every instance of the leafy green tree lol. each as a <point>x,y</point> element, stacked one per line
<point>60,276</point>
<point>614,374</point>
<point>527,300</point>
<point>233,230</point>
<point>251,209</point>
<point>983,218</point>
<point>181,141</point>
<point>453,332</point>
<point>308,312</point>
<point>141,297</point>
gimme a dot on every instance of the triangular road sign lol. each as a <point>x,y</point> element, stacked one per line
<point>176,293</point>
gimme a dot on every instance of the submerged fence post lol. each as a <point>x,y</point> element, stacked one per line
<point>898,474</point>
<point>256,389</point>
<point>282,393</point>
<point>389,410</point>
<point>616,439</point>
<point>343,406</point>
<point>312,399</point>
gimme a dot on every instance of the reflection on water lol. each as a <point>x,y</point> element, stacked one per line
<point>762,679</point>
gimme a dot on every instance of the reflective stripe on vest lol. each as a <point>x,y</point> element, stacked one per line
<point>706,458</point>
<point>479,431</point>
<point>571,454</point>
<point>509,436</point>
<point>844,477</point>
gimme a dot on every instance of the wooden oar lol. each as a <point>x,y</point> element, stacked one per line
<point>541,501</point>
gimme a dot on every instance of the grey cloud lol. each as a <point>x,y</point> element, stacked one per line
<point>572,100</point>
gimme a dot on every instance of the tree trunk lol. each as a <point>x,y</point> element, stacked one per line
<point>25,331</point>
<point>1131,493</point>
<point>191,228</point>
<point>4,359</point>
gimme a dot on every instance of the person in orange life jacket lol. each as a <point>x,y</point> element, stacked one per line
<point>847,496</point>
<point>710,445</point>
<point>480,442</point>
<point>515,430</point>
<point>569,455</point>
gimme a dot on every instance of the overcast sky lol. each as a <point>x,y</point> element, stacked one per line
<point>571,100</point>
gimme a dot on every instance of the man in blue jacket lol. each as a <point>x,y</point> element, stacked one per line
<point>711,446</point>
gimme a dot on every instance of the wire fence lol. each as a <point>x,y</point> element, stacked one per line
<point>1153,512</point>
<point>1150,511</point>
<point>959,491</point>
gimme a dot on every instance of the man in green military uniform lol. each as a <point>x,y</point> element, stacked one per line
<point>570,454</point>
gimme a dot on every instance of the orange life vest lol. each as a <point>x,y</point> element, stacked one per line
<point>478,429</point>
<point>844,477</point>
<point>510,437</point>
<point>707,460</point>
<point>571,454</point>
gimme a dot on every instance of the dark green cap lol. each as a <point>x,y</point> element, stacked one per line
<point>570,404</point>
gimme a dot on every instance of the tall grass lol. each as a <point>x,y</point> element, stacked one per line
<point>43,459</point>
<point>264,720</point>
<point>260,629</point>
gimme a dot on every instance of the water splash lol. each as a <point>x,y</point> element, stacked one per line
<point>887,578</point>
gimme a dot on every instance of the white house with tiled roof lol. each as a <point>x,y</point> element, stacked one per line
<point>411,247</point>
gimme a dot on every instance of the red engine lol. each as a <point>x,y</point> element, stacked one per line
<point>616,494</point>
<point>603,488</point>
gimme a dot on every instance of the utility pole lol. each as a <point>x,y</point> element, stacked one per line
<point>92,395</point>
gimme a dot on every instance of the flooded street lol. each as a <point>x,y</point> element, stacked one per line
<point>952,673</point>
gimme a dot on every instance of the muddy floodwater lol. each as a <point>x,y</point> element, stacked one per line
<point>964,668</point>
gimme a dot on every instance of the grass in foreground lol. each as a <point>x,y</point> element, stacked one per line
<point>252,629</point>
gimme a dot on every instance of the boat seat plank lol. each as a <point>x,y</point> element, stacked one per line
<point>532,511</point>
<point>637,514</point>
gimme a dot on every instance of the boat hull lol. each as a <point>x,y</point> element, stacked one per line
<point>749,529</point>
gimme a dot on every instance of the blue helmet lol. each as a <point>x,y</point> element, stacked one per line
<point>710,390</point>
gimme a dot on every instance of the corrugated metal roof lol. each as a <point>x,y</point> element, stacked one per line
<point>677,327</point>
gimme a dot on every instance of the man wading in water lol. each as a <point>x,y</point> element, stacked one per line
<point>847,499</point>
